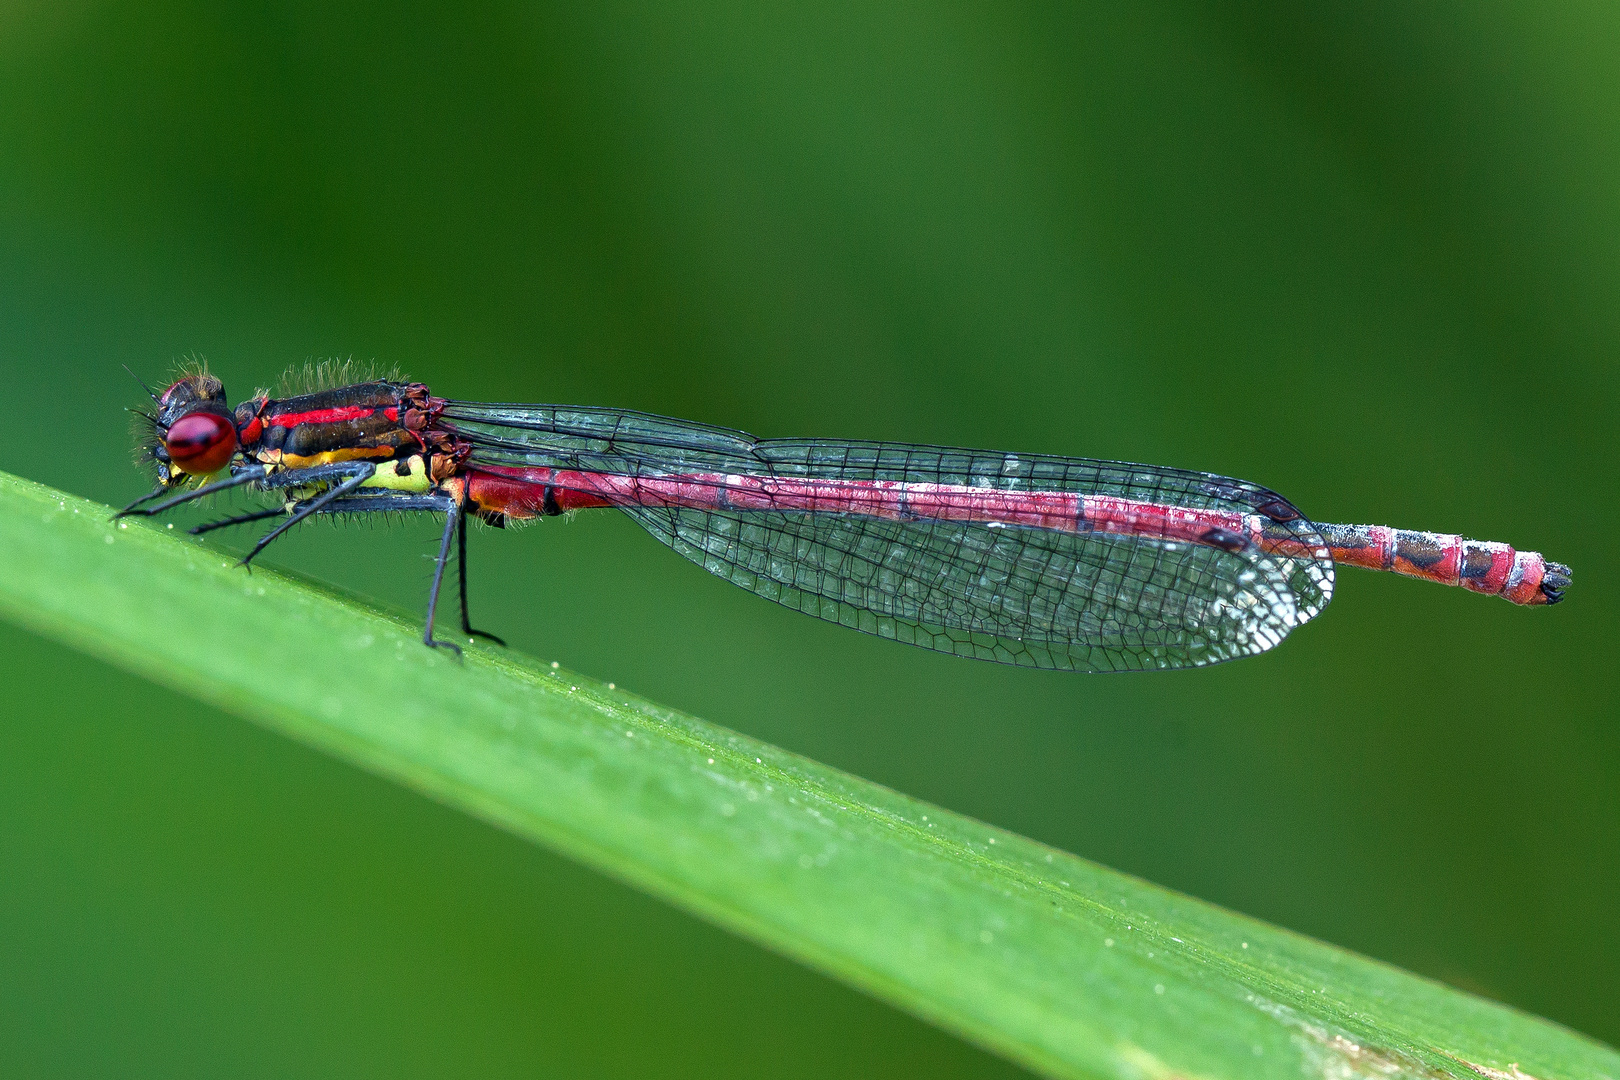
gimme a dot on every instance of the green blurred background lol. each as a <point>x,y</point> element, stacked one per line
<point>1367,255</point>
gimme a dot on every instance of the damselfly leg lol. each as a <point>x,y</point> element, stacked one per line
<point>158,493</point>
<point>455,522</point>
<point>285,478</point>
<point>466,627</point>
<point>353,476</point>
<point>240,519</point>
<point>355,503</point>
<point>452,525</point>
<point>245,475</point>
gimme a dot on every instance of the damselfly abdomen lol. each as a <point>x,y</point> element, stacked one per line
<point>1042,561</point>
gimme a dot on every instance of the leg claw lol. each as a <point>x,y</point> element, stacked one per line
<point>432,644</point>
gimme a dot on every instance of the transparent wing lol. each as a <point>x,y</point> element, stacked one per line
<point>1087,602</point>
<point>1082,601</point>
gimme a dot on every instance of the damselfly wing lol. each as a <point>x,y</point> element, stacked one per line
<point>978,554</point>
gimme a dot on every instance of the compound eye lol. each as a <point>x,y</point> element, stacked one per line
<point>201,443</point>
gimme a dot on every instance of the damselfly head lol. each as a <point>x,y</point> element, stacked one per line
<point>193,432</point>
<point>188,393</point>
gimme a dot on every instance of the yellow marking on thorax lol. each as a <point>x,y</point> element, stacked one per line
<point>350,453</point>
<point>415,480</point>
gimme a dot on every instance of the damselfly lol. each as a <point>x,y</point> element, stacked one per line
<point>1027,559</point>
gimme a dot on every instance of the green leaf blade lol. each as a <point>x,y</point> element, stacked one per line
<point>1063,965</point>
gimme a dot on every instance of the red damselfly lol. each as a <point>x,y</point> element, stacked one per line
<point>1027,559</point>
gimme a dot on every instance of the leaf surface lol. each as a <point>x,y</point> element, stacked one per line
<point>1065,966</point>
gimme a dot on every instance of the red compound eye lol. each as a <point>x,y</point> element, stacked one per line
<point>201,443</point>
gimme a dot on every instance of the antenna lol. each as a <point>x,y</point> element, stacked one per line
<point>138,379</point>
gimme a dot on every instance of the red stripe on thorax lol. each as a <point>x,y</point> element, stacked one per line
<point>329,416</point>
